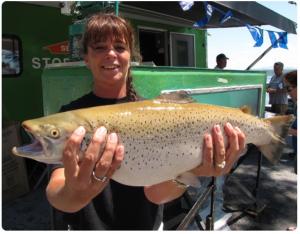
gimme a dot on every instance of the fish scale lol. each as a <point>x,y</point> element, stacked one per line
<point>162,137</point>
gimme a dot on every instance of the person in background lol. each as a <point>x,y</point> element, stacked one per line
<point>83,190</point>
<point>221,60</point>
<point>290,80</point>
<point>277,91</point>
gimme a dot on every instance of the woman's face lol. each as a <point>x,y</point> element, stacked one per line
<point>292,91</point>
<point>109,61</point>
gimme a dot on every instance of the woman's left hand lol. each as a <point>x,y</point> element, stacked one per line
<point>218,159</point>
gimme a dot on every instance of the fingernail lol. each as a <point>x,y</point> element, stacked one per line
<point>79,131</point>
<point>121,149</point>
<point>100,132</point>
<point>229,125</point>
<point>207,138</point>
<point>113,138</point>
<point>217,128</point>
<point>238,129</point>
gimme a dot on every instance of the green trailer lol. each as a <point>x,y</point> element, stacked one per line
<point>165,35</point>
<point>65,82</point>
<point>41,35</point>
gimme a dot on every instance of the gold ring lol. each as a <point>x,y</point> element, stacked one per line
<point>100,179</point>
<point>221,165</point>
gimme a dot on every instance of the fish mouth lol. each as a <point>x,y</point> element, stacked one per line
<point>32,150</point>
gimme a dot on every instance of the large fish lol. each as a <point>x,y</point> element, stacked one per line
<point>162,137</point>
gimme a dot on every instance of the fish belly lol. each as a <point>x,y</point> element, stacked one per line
<point>144,166</point>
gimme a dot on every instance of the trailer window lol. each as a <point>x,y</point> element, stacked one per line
<point>11,56</point>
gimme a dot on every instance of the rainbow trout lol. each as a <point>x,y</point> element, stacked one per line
<point>162,137</point>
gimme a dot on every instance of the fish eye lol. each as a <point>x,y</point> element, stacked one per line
<point>54,133</point>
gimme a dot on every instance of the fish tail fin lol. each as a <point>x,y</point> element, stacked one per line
<point>280,126</point>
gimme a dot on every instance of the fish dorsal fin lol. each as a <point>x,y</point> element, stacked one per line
<point>181,97</point>
<point>246,109</point>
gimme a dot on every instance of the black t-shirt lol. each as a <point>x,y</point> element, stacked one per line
<point>117,207</point>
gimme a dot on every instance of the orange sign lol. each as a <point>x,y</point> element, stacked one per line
<point>58,48</point>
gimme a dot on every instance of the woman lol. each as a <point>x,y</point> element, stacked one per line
<point>83,190</point>
<point>291,86</point>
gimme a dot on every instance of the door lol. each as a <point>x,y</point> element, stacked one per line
<point>153,46</point>
<point>182,50</point>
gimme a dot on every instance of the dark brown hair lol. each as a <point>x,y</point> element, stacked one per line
<point>291,77</point>
<point>101,27</point>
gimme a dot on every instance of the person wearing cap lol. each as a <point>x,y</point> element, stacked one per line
<point>221,61</point>
<point>277,91</point>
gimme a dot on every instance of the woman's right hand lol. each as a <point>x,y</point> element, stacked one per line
<point>77,182</point>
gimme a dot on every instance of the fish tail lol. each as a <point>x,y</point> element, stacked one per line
<point>280,126</point>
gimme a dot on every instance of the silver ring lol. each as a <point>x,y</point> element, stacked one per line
<point>100,179</point>
<point>221,165</point>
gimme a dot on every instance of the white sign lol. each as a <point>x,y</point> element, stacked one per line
<point>38,63</point>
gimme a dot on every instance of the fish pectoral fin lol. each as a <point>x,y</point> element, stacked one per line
<point>189,178</point>
<point>180,97</point>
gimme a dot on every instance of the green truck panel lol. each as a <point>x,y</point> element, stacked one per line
<point>227,88</point>
<point>37,27</point>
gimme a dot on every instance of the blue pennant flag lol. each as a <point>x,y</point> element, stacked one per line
<point>282,41</point>
<point>201,23</point>
<point>226,17</point>
<point>257,35</point>
<point>208,13</point>
<point>260,40</point>
<point>273,39</point>
<point>186,5</point>
<point>209,10</point>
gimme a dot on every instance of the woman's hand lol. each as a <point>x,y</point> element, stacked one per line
<point>218,159</point>
<point>83,180</point>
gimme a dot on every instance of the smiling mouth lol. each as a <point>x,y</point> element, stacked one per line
<point>111,67</point>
